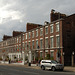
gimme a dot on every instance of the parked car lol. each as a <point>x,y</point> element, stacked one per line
<point>51,64</point>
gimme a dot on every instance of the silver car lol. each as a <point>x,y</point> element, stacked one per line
<point>51,64</point>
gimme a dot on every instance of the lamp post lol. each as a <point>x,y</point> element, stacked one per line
<point>30,56</point>
<point>73,58</point>
<point>63,58</point>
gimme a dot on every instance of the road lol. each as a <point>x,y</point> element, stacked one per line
<point>17,70</point>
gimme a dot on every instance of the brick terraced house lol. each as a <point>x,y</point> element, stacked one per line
<point>55,40</point>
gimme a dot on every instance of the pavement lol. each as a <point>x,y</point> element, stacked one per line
<point>66,68</point>
<point>69,68</point>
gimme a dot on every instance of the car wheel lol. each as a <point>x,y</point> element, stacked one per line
<point>53,69</point>
<point>43,67</point>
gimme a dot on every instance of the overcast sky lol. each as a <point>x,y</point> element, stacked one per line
<point>14,14</point>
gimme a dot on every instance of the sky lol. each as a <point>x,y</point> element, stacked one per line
<point>15,14</point>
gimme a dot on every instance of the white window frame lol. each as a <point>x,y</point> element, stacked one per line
<point>41,53</point>
<point>17,39</point>
<point>45,30</point>
<point>57,29</point>
<point>56,40</point>
<point>53,41</point>
<point>36,32</point>
<point>53,53</point>
<point>36,44</point>
<point>40,42</point>
<point>41,30</point>
<point>26,35</point>
<point>32,34</point>
<point>23,36</point>
<point>32,44</point>
<point>52,25</point>
<point>26,44</point>
<point>29,35</point>
<point>45,42</point>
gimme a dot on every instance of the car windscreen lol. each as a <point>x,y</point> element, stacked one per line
<point>54,62</point>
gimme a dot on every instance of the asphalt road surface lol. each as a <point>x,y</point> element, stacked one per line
<point>17,70</point>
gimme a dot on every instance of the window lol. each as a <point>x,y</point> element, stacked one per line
<point>46,43</point>
<point>57,27</point>
<point>36,44</point>
<point>32,34</point>
<point>29,46</point>
<point>51,28</point>
<point>46,62</point>
<point>13,41</point>
<point>41,54</point>
<point>46,52</point>
<point>17,39</point>
<point>41,43</point>
<point>46,30</point>
<point>32,44</point>
<point>19,56</point>
<point>41,31</point>
<point>4,43</point>
<point>36,32</point>
<point>57,41</point>
<point>32,56</point>
<point>23,36</point>
<point>26,35</point>
<point>29,35</point>
<point>14,49</point>
<point>19,48</point>
<point>25,45</point>
<point>51,42</point>
<point>51,54</point>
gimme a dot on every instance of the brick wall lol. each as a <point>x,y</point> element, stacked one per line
<point>16,33</point>
<point>30,26</point>
<point>68,31</point>
<point>56,15</point>
<point>5,37</point>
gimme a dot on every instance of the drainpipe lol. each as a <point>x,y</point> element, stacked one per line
<point>44,42</point>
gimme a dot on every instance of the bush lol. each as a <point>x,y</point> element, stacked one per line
<point>51,58</point>
<point>6,59</point>
<point>41,58</point>
<point>47,57</point>
<point>14,57</point>
<point>36,58</point>
<point>26,58</point>
<point>16,60</point>
<point>0,58</point>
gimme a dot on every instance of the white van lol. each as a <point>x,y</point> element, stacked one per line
<point>51,64</point>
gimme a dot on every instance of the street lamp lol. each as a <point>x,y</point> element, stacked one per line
<point>63,53</point>
<point>73,58</point>
<point>63,58</point>
<point>73,53</point>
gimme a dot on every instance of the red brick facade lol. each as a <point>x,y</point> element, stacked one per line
<point>53,38</point>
